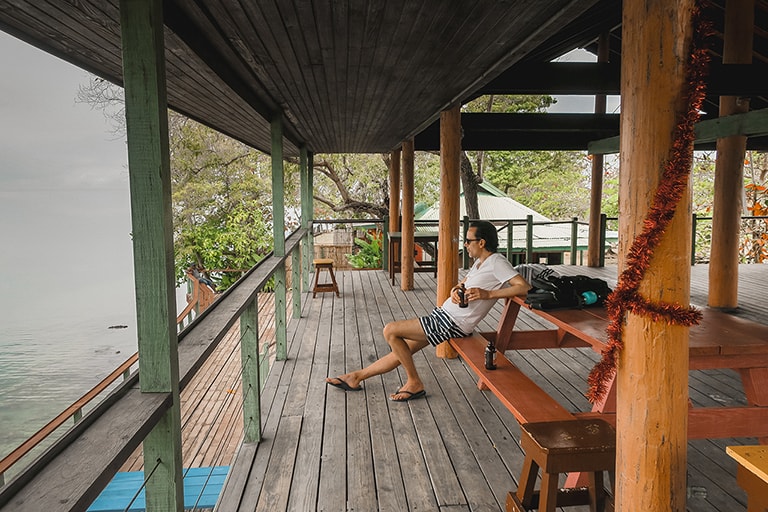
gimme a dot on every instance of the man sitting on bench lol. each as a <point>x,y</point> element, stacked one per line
<point>491,277</point>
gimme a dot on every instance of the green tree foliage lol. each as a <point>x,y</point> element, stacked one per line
<point>368,254</point>
<point>357,185</point>
<point>222,201</point>
<point>554,183</point>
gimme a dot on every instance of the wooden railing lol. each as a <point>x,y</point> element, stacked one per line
<point>71,473</point>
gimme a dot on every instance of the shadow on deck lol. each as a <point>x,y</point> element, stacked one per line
<point>458,449</point>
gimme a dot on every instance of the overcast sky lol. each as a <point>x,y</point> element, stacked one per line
<point>64,203</point>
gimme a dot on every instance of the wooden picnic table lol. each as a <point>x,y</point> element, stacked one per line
<point>721,340</point>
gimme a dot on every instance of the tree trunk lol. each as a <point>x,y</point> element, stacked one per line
<point>469,182</point>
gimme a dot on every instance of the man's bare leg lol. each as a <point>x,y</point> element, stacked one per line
<point>414,339</point>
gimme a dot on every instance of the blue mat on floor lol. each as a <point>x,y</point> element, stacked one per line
<point>202,486</point>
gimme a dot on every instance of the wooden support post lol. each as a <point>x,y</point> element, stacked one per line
<point>146,114</point>
<point>450,191</point>
<point>594,247</point>
<point>306,218</point>
<point>652,376</point>
<point>278,232</point>
<point>729,166</point>
<point>407,238</point>
<point>296,282</point>
<point>249,355</point>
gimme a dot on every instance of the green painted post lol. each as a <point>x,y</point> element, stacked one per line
<point>603,229</point>
<point>146,114</point>
<point>306,219</point>
<point>510,240</point>
<point>574,238</point>
<point>693,239</point>
<point>529,239</point>
<point>296,282</point>
<point>311,209</point>
<point>465,256</point>
<point>385,244</point>
<point>249,355</point>
<point>278,231</point>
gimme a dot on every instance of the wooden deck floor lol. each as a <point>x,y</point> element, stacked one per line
<point>456,450</point>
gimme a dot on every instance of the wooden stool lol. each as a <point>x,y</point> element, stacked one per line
<point>327,264</point>
<point>564,447</point>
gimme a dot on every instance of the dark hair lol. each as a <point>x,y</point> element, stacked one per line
<point>486,231</point>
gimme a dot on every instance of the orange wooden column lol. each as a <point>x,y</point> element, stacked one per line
<point>394,191</point>
<point>729,166</point>
<point>596,193</point>
<point>448,234</point>
<point>652,374</point>
<point>407,228</point>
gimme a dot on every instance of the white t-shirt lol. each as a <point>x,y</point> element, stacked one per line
<point>494,273</point>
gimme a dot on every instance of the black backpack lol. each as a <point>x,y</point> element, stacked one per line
<point>552,291</point>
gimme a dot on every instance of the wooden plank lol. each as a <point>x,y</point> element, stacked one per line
<point>281,466</point>
<point>313,366</point>
<point>237,477</point>
<point>357,345</point>
<point>754,458</point>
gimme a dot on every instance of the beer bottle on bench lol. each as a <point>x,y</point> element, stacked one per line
<point>490,356</point>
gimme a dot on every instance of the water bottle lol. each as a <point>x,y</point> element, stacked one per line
<point>462,296</point>
<point>490,356</point>
<point>588,298</point>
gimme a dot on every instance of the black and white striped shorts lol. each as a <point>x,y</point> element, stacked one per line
<point>439,327</point>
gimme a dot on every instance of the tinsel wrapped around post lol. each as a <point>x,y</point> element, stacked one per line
<point>626,297</point>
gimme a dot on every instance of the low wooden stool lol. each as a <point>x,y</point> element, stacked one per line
<point>324,263</point>
<point>564,447</point>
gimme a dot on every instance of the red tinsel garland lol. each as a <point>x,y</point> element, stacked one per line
<point>626,298</point>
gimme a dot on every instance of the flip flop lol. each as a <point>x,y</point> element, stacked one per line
<point>343,385</point>
<point>411,396</point>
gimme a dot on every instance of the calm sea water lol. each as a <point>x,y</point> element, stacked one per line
<point>67,277</point>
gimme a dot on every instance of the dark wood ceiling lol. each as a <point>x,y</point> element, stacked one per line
<point>350,76</point>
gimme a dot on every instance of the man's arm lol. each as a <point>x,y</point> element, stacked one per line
<point>518,287</point>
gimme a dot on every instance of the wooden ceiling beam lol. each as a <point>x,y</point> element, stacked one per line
<point>603,78</point>
<point>524,131</point>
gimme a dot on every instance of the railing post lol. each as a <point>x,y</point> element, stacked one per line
<point>603,229</point>
<point>529,239</point>
<point>146,114</point>
<point>278,231</point>
<point>510,240</point>
<point>385,244</point>
<point>296,282</point>
<point>693,239</point>
<point>574,238</point>
<point>249,355</point>
<point>465,229</point>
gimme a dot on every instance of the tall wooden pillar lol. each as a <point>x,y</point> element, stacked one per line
<point>278,232</point>
<point>306,218</point>
<point>450,191</point>
<point>407,239</point>
<point>594,248</point>
<point>146,115</point>
<point>652,374</point>
<point>394,190</point>
<point>729,166</point>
